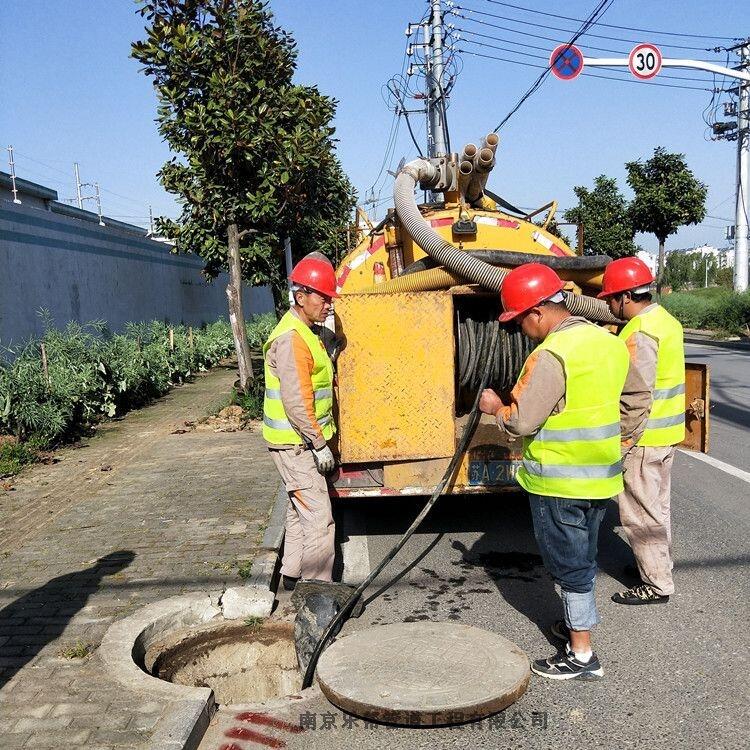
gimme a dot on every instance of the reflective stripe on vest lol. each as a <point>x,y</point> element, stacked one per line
<point>274,393</point>
<point>576,453</point>
<point>277,430</point>
<point>666,420</point>
<point>573,472</point>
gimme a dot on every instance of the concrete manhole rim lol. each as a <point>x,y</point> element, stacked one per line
<point>126,641</point>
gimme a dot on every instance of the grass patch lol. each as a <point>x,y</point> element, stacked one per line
<point>254,622</point>
<point>13,457</point>
<point>244,569</point>
<point>713,308</point>
<point>79,651</point>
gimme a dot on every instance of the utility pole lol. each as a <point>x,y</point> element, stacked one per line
<point>78,185</point>
<point>743,175</point>
<point>437,146</point>
<point>12,165</point>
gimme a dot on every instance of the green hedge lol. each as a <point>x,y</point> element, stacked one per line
<point>93,374</point>
<point>714,309</point>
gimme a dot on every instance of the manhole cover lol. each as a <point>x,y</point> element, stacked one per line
<point>423,673</point>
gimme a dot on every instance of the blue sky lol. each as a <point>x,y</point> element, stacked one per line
<point>71,93</point>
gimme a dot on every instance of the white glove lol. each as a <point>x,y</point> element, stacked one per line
<point>324,459</point>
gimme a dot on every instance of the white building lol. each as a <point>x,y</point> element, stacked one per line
<point>649,259</point>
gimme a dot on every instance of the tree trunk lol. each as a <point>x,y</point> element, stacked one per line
<point>236,314</point>
<point>660,268</point>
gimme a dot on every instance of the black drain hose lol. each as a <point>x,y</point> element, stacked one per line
<point>343,614</point>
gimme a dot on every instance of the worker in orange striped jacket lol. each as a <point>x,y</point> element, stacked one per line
<point>298,421</point>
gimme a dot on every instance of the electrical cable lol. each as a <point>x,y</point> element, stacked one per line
<point>609,25</point>
<point>337,622</point>
<point>567,31</point>
<point>589,75</point>
<point>601,8</point>
<point>614,70</point>
<point>505,29</point>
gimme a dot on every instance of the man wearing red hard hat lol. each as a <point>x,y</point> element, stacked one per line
<point>298,421</point>
<point>566,406</point>
<point>655,344</point>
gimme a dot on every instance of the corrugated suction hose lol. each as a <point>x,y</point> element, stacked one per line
<point>469,268</point>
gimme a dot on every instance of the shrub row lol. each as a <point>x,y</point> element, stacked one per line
<point>55,387</point>
<point>724,311</point>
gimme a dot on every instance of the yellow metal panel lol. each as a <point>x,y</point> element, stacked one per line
<point>395,376</point>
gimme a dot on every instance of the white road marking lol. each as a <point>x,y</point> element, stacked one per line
<point>727,468</point>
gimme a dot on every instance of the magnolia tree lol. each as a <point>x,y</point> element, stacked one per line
<point>254,153</point>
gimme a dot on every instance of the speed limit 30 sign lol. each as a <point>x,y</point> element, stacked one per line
<point>644,61</point>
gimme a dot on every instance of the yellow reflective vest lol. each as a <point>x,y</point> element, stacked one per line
<point>576,453</point>
<point>666,420</point>
<point>277,429</point>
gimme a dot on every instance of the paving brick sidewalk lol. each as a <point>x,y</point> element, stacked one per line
<point>139,515</point>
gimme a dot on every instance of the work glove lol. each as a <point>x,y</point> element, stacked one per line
<point>324,459</point>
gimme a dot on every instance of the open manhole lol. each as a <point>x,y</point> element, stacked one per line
<point>241,663</point>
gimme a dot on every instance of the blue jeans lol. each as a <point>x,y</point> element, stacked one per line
<point>567,533</point>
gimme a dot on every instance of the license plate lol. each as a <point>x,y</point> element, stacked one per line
<point>493,473</point>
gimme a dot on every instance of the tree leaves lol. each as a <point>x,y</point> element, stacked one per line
<point>255,148</point>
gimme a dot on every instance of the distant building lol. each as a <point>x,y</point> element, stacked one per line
<point>724,256</point>
<point>649,259</point>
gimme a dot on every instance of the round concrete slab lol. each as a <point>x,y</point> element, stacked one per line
<point>423,673</point>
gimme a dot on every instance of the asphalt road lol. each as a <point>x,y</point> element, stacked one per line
<point>675,674</point>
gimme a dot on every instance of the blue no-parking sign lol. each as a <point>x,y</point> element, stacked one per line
<point>566,62</point>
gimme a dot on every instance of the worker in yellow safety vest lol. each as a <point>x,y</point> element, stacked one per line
<point>566,406</point>
<point>298,421</point>
<point>655,344</point>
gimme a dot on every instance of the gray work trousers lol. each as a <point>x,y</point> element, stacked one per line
<point>645,513</point>
<point>309,536</point>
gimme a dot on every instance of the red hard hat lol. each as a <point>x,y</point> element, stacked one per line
<point>526,286</point>
<point>624,274</point>
<point>316,274</point>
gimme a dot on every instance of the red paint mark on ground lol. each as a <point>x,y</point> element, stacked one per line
<point>230,746</point>
<point>268,721</point>
<point>242,733</point>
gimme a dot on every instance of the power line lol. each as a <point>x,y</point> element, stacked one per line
<point>567,31</point>
<point>609,25</point>
<point>599,10</point>
<point>540,57</point>
<point>590,75</point>
<point>624,52</point>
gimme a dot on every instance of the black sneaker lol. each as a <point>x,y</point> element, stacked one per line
<point>289,583</point>
<point>564,666</point>
<point>642,594</point>
<point>561,631</point>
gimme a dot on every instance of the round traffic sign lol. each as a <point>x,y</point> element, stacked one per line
<point>566,62</point>
<point>644,61</point>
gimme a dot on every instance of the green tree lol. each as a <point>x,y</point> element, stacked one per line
<point>255,159</point>
<point>667,196</point>
<point>603,212</point>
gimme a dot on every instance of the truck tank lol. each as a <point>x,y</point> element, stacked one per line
<point>418,308</point>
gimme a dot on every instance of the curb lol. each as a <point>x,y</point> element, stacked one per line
<point>736,344</point>
<point>264,570</point>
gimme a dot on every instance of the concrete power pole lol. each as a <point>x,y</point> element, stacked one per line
<point>743,176</point>
<point>78,185</point>
<point>437,145</point>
